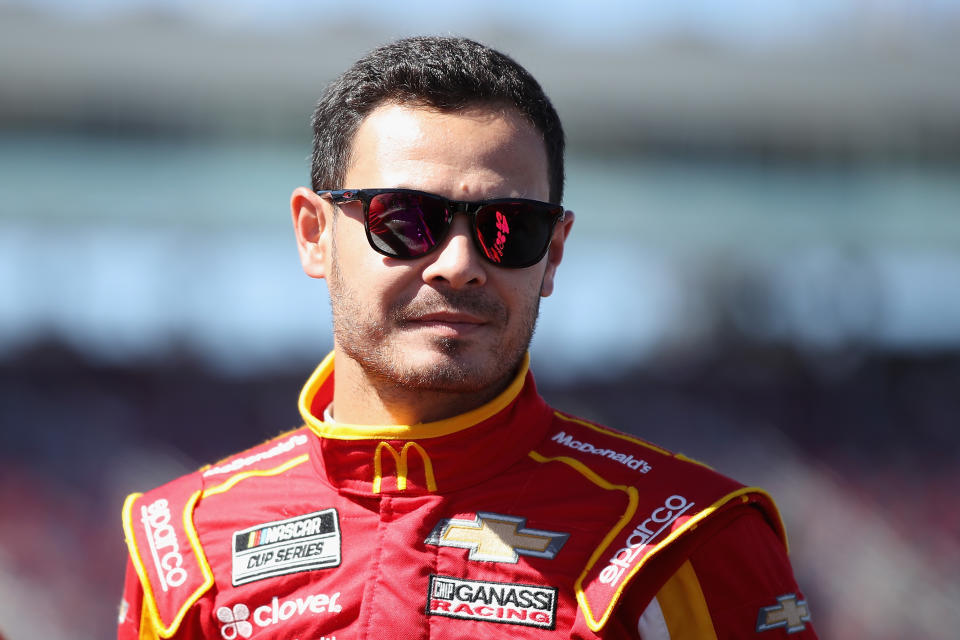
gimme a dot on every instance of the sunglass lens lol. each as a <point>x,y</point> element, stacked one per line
<point>514,234</point>
<point>406,225</point>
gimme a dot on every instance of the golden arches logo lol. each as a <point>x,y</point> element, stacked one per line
<point>400,460</point>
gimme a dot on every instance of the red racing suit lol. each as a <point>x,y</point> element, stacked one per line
<point>510,520</point>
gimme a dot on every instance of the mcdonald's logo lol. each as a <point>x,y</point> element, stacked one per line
<point>400,461</point>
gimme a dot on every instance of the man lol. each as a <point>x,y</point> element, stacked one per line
<point>432,492</point>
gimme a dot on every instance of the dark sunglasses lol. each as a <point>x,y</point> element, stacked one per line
<point>408,224</point>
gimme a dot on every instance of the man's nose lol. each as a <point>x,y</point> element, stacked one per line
<point>457,262</point>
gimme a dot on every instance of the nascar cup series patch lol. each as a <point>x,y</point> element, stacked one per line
<point>301,543</point>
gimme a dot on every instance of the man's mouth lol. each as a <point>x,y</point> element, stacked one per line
<point>448,322</point>
<point>450,317</point>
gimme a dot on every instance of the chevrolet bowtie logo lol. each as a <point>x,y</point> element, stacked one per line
<point>790,613</point>
<point>493,537</point>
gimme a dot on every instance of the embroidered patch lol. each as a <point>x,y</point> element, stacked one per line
<point>504,602</point>
<point>566,440</point>
<point>493,537</point>
<point>240,621</point>
<point>789,613</point>
<point>296,440</point>
<point>235,622</point>
<point>164,544</point>
<point>643,536</point>
<point>302,543</point>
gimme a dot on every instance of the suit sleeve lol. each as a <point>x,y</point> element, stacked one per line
<point>738,583</point>
<point>131,606</point>
<point>134,623</point>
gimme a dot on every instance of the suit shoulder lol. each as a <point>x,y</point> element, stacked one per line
<point>162,538</point>
<point>165,551</point>
<point>265,456</point>
<point>673,502</point>
<point>620,455</point>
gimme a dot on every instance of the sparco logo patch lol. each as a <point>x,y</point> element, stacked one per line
<point>493,537</point>
<point>303,543</point>
<point>637,465</point>
<point>504,602</point>
<point>644,534</point>
<point>163,543</point>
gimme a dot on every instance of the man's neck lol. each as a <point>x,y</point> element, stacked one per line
<point>359,398</point>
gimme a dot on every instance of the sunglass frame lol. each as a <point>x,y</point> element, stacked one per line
<point>467,207</point>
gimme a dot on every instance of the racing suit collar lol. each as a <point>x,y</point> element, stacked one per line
<point>428,457</point>
<point>317,394</point>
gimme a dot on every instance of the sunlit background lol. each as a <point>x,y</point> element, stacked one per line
<point>764,272</point>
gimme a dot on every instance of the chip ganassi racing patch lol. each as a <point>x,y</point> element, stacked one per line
<point>302,543</point>
<point>524,604</point>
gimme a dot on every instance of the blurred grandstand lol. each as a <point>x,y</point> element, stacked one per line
<point>785,308</point>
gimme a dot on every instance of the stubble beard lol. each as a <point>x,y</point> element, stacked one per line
<point>372,342</point>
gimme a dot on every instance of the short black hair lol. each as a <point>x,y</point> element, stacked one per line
<point>444,73</point>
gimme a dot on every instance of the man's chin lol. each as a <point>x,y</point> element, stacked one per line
<point>446,368</point>
<point>441,366</point>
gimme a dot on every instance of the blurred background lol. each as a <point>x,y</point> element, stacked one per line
<point>764,272</point>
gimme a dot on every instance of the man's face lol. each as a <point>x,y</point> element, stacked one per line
<point>448,321</point>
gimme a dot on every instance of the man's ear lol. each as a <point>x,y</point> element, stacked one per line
<point>313,225</point>
<point>555,252</point>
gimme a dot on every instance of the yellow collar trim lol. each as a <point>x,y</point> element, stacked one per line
<point>343,431</point>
